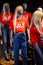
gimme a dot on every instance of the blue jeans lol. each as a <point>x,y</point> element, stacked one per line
<point>20,41</point>
<point>5,36</point>
<point>37,58</point>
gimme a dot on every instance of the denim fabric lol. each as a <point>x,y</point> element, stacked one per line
<point>20,41</point>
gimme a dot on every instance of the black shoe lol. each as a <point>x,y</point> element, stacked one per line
<point>7,58</point>
<point>12,58</point>
<point>12,55</point>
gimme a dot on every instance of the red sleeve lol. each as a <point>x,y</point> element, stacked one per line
<point>26,24</point>
<point>12,15</point>
<point>11,25</point>
<point>34,35</point>
<point>29,15</point>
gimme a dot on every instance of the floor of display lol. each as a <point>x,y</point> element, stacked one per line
<point>4,62</point>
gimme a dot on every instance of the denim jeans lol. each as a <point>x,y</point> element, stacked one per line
<point>5,31</point>
<point>20,41</point>
<point>37,58</point>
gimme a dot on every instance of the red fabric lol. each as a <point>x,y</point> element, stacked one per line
<point>27,16</point>
<point>21,25</point>
<point>35,36</point>
<point>5,19</point>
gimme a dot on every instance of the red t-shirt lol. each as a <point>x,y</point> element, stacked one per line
<point>5,19</point>
<point>35,36</point>
<point>21,25</point>
<point>27,15</point>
